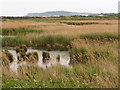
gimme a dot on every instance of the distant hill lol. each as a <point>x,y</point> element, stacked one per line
<point>56,13</point>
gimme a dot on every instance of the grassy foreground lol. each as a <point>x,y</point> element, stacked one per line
<point>94,74</point>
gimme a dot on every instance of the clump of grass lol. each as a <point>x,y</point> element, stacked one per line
<point>13,31</point>
<point>22,55</point>
<point>46,57</point>
<point>9,56</point>
<point>98,54</point>
<point>5,60</point>
<point>32,57</point>
<point>100,36</point>
<point>80,23</point>
<point>21,48</point>
<point>79,55</point>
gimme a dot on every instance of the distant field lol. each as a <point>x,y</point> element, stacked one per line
<point>61,28</point>
<point>92,41</point>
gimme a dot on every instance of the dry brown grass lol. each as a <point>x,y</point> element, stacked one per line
<point>63,29</point>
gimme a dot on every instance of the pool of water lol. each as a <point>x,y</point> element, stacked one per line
<point>64,59</point>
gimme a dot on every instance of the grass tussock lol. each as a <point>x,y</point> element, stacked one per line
<point>7,58</point>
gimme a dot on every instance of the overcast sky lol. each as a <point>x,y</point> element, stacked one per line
<point>22,7</point>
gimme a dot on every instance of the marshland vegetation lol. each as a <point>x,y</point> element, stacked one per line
<point>93,51</point>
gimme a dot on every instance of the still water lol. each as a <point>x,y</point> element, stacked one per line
<point>64,59</point>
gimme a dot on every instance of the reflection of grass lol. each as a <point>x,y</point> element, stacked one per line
<point>19,31</point>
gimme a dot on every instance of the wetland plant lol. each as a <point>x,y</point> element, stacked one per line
<point>32,57</point>
<point>46,57</point>
<point>8,55</point>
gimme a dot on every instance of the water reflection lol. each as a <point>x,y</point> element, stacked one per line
<point>64,59</point>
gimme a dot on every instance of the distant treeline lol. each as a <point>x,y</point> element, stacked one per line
<point>21,17</point>
<point>74,17</point>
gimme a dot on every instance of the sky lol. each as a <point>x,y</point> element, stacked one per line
<point>22,7</point>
